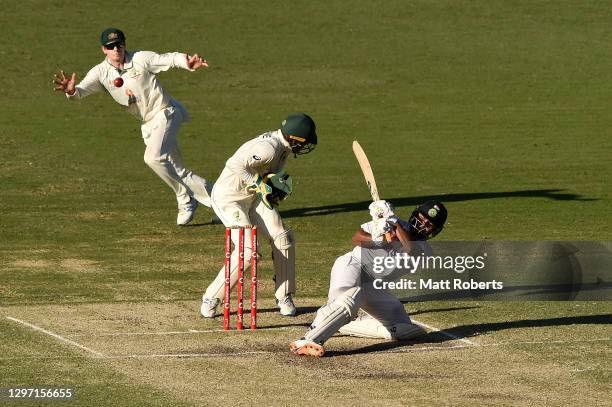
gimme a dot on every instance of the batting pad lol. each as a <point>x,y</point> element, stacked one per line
<point>370,327</point>
<point>283,256</point>
<point>331,317</point>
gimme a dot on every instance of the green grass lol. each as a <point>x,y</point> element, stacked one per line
<point>501,108</point>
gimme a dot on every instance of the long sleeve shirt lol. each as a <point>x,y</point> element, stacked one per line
<point>141,92</point>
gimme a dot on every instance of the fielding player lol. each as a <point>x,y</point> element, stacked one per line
<point>247,193</point>
<point>385,316</point>
<point>130,78</point>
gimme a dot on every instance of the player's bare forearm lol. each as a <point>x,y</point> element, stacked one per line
<point>361,238</point>
<point>404,238</point>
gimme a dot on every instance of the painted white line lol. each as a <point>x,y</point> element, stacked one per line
<point>56,336</point>
<point>426,349</point>
<point>495,344</point>
<point>146,356</point>
<point>253,353</point>
<point>434,329</point>
<point>188,332</point>
<point>42,357</point>
<point>550,342</point>
<point>187,355</point>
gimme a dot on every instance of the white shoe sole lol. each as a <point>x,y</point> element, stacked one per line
<point>185,221</point>
<point>288,313</point>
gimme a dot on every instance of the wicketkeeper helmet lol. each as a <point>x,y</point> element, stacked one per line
<point>300,131</point>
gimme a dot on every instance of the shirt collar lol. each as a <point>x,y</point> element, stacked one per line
<point>127,61</point>
<point>279,134</point>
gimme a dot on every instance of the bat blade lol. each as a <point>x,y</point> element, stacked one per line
<point>366,168</point>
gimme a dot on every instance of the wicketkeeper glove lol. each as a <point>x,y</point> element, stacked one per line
<point>272,188</point>
<point>262,189</point>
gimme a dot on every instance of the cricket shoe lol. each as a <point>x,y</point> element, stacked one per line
<point>186,212</point>
<point>286,305</point>
<point>305,347</point>
<point>208,309</point>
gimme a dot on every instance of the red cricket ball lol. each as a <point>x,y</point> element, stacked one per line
<point>118,82</point>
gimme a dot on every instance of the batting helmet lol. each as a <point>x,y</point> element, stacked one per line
<point>427,220</point>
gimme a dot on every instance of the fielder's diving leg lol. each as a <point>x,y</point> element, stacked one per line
<point>329,319</point>
<point>199,187</point>
<point>163,156</point>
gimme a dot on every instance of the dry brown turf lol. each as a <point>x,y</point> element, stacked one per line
<point>167,347</point>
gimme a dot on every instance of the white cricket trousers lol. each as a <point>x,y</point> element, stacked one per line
<point>235,208</point>
<point>381,304</point>
<point>163,155</point>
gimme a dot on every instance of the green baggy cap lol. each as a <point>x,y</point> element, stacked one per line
<point>111,35</point>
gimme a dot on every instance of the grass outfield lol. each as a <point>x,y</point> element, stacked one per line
<point>499,107</point>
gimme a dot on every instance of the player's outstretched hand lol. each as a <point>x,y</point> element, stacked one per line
<point>65,84</point>
<point>195,61</point>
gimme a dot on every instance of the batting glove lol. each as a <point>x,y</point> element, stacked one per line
<point>380,226</point>
<point>381,209</point>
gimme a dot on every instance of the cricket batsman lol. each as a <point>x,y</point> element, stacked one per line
<point>130,77</point>
<point>247,193</point>
<point>385,316</point>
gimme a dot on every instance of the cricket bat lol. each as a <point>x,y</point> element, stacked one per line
<point>366,168</point>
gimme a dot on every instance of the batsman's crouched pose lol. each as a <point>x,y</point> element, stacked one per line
<point>246,193</point>
<point>385,316</point>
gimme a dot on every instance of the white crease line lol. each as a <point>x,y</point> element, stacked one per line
<point>188,332</point>
<point>549,342</point>
<point>216,355</point>
<point>433,328</point>
<point>495,344</point>
<point>56,336</point>
<point>188,355</point>
<point>147,356</point>
<point>426,348</point>
<point>39,357</point>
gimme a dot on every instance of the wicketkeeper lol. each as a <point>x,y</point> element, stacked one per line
<point>384,315</point>
<point>247,193</point>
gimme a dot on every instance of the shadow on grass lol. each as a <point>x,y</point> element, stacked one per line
<point>474,329</point>
<point>300,310</point>
<point>554,194</point>
<point>431,311</point>
<point>463,331</point>
<point>276,326</point>
<point>197,225</point>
